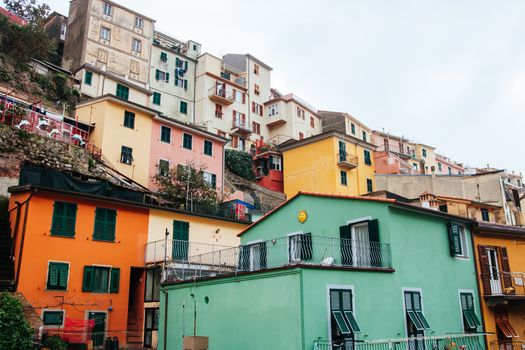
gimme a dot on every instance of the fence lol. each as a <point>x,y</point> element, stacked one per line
<point>293,250</point>
<point>511,345</point>
<point>177,250</point>
<point>499,283</point>
<point>449,342</point>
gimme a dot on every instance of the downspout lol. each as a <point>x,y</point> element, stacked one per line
<point>21,250</point>
<point>302,309</point>
<point>164,336</point>
<point>194,92</point>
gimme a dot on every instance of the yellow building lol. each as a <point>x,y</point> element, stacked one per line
<point>122,130</point>
<point>501,265</point>
<point>331,162</point>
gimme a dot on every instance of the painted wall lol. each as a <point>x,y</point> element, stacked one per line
<point>313,168</point>
<point>39,248</point>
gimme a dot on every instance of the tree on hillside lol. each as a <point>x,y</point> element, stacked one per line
<point>15,332</point>
<point>35,14</point>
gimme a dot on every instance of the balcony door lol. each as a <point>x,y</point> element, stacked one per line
<point>361,245</point>
<point>494,275</point>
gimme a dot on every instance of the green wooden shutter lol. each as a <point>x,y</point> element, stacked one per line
<point>345,234</point>
<point>167,77</point>
<point>375,247</point>
<point>111,219</point>
<point>62,276</point>
<point>114,280</point>
<point>58,218</point>
<point>264,255</point>
<point>306,246</point>
<point>342,151</point>
<point>70,219</point>
<point>87,282</point>
<point>98,232</point>
<point>157,74</point>
<point>454,231</point>
<point>53,276</point>
<point>213,181</point>
<point>105,224</point>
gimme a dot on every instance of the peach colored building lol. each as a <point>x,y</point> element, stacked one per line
<point>174,142</point>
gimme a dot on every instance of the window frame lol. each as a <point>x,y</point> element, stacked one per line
<point>461,311</point>
<point>129,116</point>
<point>210,143</point>
<point>277,166</point>
<point>367,160</point>
<point>88,77</point>
<point>345,177</point>
<point>465,252</point>
<point>48,326</point>
<point>157,98</point>
<point>136,45</point>
<point>330,287</point>
<point>49,262</point>
<point>109,7</point>
<point>185,109</point>
<point>61,234</point>
<point>124,92</point>
<point>485,212</point>
<point>153,297</point>
<point>160,172</point>
<point>126,160</point>
<point>369,185</point>
<point>140,21</point>
<point>162,128</point>
<point>107,31</point>
<point>184,141</point>
<point>405,311</point>
<point>105,222</point>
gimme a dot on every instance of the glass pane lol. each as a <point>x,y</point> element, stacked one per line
<point>101,279</point>
<point>408,301</point>
<point>156,284</point>
<point>347,300</point>
<point>334,300</point>
<point>416,298</point>
<point>149,285</point>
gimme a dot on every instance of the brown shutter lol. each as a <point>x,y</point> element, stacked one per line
<point>484,269</point>
<point>505,267</point>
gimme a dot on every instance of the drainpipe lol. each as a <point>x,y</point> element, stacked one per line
<point>21,250</point>
<point>165,317</point>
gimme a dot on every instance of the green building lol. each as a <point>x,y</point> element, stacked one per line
<point>332,272</point>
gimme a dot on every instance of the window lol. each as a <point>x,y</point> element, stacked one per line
<point>256,90</point>
<point>273,109</point>
<point>344,179</point>
<point>187,141</point>
<point>153,277</point>
<point>449,170</point>
<point>107,9</point>
<point>182,83</point>
<point>458,240</point>
<point>156,98</point>
<point>183,107</point>
<point>208,147</point>
<point>312,122</point>
<point>164,167</point>
<point>53,318</point>
<point>129,120</point>
<point>369,185</point>
<point>301,135</point>
<point>359,245</point>
<point>424,152</point>
<point>102,55</point>
<point>57,276</point>
<point>162,76</point>
<point>165,134</point>
<point>343,323</point>
<point>126,155</point>
<point>164,57</point>
<point>210,178</point>
<point>342,151</point>
<point>414,165</point>
<point>440,167</point>
<point>299,247</point>
<point>364,135</point>
<point>415,320</point>
<point>134,67</point>
<point>257,109</point>
<point>256,69</point>
<point>470,319</point>
<point>139,23</point>
<point>88,78</point>
<point>136,45</point>
<point>485,214</point>
<point>218,111</point>
<point>368,160</point>
<point>300,113</point>
<point>253,257</point>
<point>256,128</point>
<point>105,222</point>
<point>352,128</point>
<point>240,96</point>
<point>98,279</point>
<point>122,92</point>
<point>276,163</point>
<point>64,219</point>
<point>105,33</point>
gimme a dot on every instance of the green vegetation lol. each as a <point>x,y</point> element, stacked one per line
<point>55,343</point>
<point>15,331</point>
<point>240,163</point>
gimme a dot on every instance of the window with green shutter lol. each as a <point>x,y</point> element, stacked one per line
<point>369,185</point>
<point>342,151</point>
<point>165,134</point>
<point>101,279</point>
<point>364,135</point>
<point>53,318</point>
<point>57,276</point>
<point>114,280</point>
<point>187,141</point>
<point>184,107</point>
<point>342,311</point>
<point>181,235</point>
<point>64,219</point>
<point>164,57</point>
<point>457,240</point>
<point>105,223</point>
<point>88,78</point>
<point>129,119</point>
<point>208,147</point>
<point>416,321</point>
<point>156,98</point>
<point>368,159</point>
<point>471,321</point>
<point>352,127</point>
<point>344,178</point>
<point>122,92</point>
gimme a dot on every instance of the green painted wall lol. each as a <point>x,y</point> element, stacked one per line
<point>260,311</point>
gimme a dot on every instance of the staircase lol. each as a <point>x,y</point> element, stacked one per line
<point>134,333</point>
<point>7,267</point>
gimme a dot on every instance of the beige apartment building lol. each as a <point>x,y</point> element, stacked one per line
<point>108,48</point>
<point>172,76</point>
<point>344,122</point>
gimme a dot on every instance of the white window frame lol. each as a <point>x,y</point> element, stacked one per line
<point>107,31</point>
<point>251,255</point>
<point>273,109</point>
<point>238,96</point>
<point>328,309</point>
<point>412,289</point>
<point>279,163</point>
<point>465,291</point>
<point>53,310</point>
<point>464,244</point>
<point>109,7</point>
<point>86,317</point>
<point>139,23</point>
<point>68,273</point>
<point>208,177</point>
<point>165,160</point>
<point>136,45</point>
<point>296,252</point>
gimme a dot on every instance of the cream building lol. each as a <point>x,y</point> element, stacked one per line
<point>108,48</point>
<point>344,122</point>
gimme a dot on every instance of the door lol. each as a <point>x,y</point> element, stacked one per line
<point>361,244</point>
<point>181,232</point>
<point>98,334</point>
<point>494,275</point>
<point>150,326</point>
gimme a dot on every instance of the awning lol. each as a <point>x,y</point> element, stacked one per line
<point>505,328</point>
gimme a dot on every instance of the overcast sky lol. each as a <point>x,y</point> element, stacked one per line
<point>446,73</point>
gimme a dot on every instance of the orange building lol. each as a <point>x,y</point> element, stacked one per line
<point>80,257</point>
<point>500,256</point>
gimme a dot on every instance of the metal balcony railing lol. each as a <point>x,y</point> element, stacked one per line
<point>177,250</point>
<point>240,124</point>
<point>501,283</point>
<point>348,160</point>
<point>448,342</point>
<point>293,250</point>
<point>219,93</point>
<point>510,345</point>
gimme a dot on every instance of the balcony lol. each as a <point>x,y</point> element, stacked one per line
<point>219,95</point>
<point>276,120</point>
<point>347,161</point>
<point>241,127</point>
<point>500,287</point>
<point>510,345</point>
<point>177,251</point>
<point>459,341</point>
<point>299,250</point>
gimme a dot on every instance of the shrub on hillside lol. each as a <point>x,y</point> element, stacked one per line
<point>240,163</point>
<point>15,332</point>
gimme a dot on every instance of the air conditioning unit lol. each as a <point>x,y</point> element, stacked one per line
<point>195,343</point>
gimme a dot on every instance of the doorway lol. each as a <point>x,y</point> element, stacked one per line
<point>98,334</point>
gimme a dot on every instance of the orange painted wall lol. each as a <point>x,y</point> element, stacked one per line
<point>516,311</point>
<point>40,247</point>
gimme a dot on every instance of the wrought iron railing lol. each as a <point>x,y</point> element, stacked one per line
<point>177,250</point>
<point>347,158</point>
<point>510,345</point>
<point>220,91</point>
<point>501,283</point>
<point>293,250</point>
<point>448,342</point>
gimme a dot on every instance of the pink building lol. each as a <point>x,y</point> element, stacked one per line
<point>447,166</point>
<point>174,143</point>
